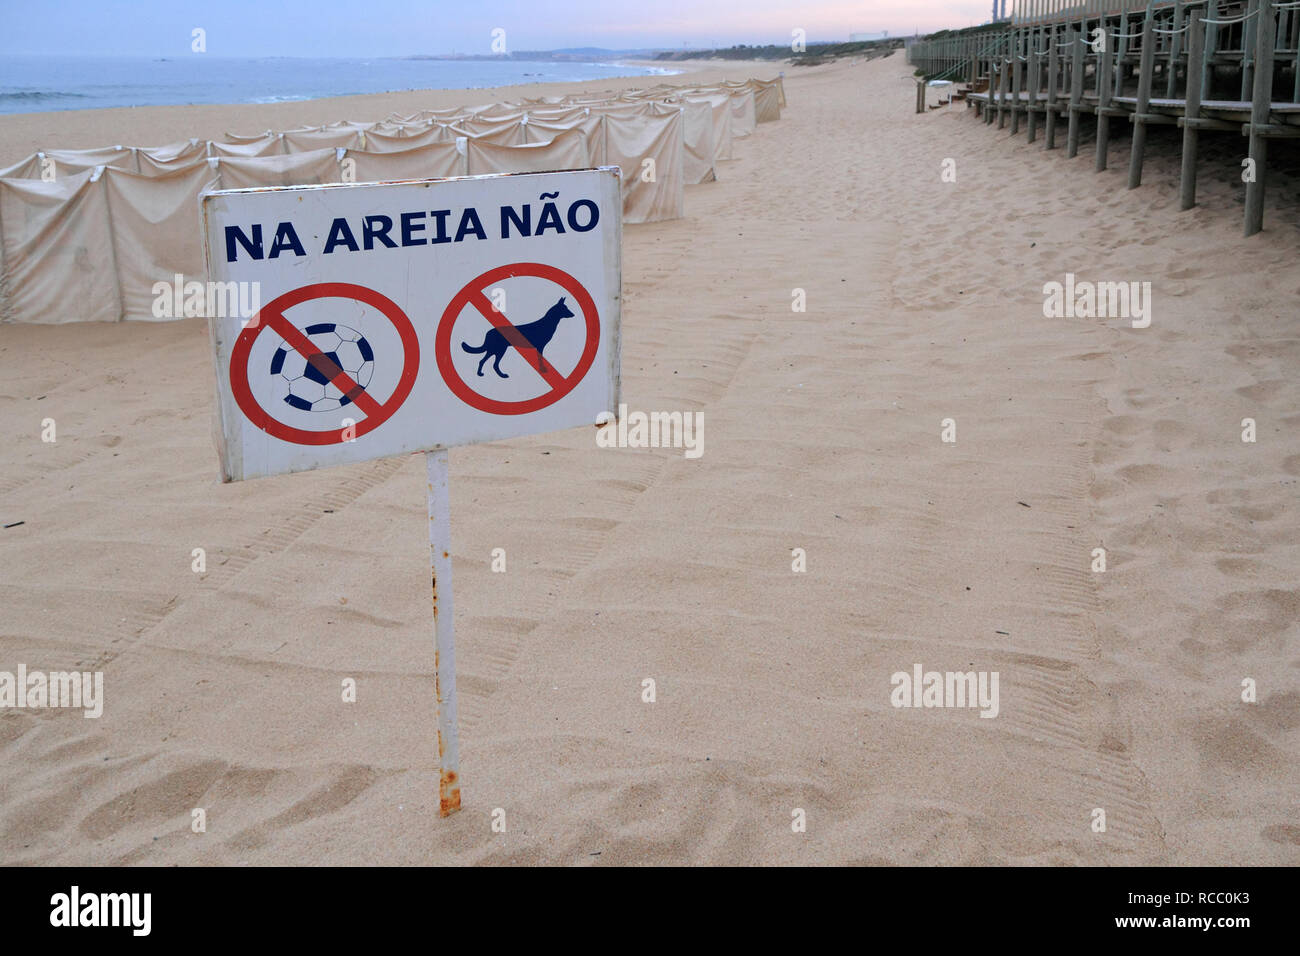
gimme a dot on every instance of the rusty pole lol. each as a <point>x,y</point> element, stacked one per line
<point>444,659</point>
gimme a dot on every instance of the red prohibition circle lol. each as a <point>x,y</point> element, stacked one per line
<point>442,342</point>
<point>271,316</point>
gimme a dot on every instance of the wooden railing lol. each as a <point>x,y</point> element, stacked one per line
<point>1211,65</point>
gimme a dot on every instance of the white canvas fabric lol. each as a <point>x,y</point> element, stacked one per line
<point>302,141</point>
<point>508,133</point>
<point>294,169</point>
<point>743,118</point>
<point>155,163</point>
<point>767,100</point>
<point>75,160</point>
<point>57,251</point>
<point>272,145</point>
<point>376,142</point>
<point>720,105</point>
<point>29,168</point>
<point>500,116</point>
<point>252,138</point>
<point>187,150</point>
<point>622,108</point>
<point>567,150</point>
<point>629,142</point>
<point>592,126</point>
<point>155,232</point>
<point>435,161</point>
<point>573,114</point>
<point>697,140</point>
<point>149,160</point>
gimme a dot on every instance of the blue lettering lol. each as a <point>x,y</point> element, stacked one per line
<point>440,215</point>
<point>369,232</point>
<point>254,248</point>
<point>340,235</point>
<point>410,228</point>
<point>286,238</point>
<point>523,226</point>
<point>573,216</point>
<point>469,223</point>
<point>550,219</point>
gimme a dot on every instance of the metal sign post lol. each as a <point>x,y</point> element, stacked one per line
<point>444,630</point>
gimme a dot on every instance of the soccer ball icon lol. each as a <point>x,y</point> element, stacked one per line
<point>306,384</point>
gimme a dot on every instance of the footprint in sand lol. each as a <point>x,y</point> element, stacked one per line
<point>1137,398</point>
<point>1123,425</point>
<point>1262,391</point>
<point>1282,833</point>
<point>1238,567</point>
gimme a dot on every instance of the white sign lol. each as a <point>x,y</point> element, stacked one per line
<point>406,317</point>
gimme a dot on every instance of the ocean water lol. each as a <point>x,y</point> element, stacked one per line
<point>37,83</point>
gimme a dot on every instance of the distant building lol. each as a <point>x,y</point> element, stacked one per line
<point>868,37</point>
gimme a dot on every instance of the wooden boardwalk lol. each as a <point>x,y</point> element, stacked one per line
<point>1204,65</point>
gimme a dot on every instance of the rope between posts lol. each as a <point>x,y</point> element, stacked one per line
<point>1224,23</point>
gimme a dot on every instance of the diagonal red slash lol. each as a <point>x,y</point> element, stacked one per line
<point>341,380</point>
<point>518,340</point>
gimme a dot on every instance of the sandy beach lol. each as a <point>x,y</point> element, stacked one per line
<point>1119,690</point>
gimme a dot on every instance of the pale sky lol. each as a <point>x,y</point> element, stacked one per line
<point>402,27</point>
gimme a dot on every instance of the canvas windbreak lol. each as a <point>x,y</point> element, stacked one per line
<point>88,234</point>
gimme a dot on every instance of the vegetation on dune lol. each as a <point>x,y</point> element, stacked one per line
<point>816,53</point>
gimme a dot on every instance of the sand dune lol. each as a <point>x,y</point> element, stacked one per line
<point>1119,690</point>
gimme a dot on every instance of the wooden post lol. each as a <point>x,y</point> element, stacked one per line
<point>1175,51</point>
<point>1211,47</point>
<point>1192,111</point>
<point>1076,89</point>
<point>1103,97</point>
<point>1294,34</point>
<point>1031,83</point>
<point>1143,98</point>
<point>1053,67</point>
<point>1249,32</point>
<point>1003,84</point>
<point>1017,82</point>
<point>1121,52</point>
<point>1265,40</point>
<point>993,80</point>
